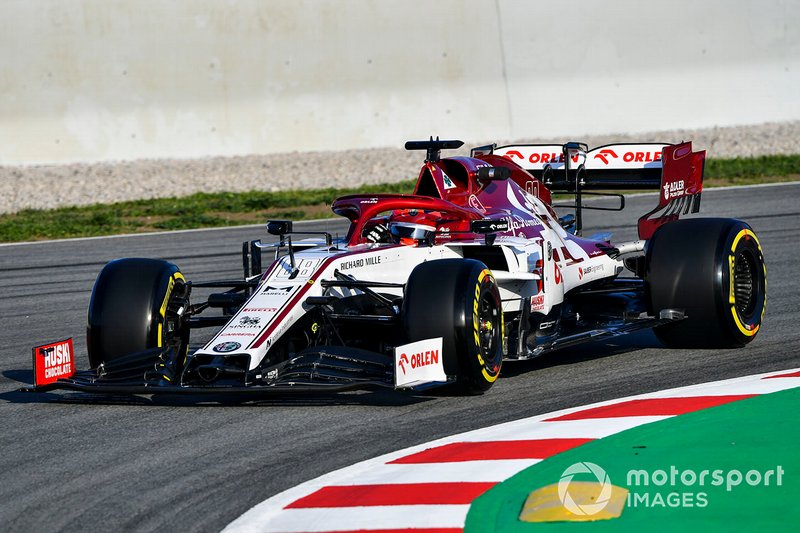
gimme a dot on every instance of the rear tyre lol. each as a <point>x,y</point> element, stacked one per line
<point>458,300</point>
<point>133,308</point>
<point>714,269</point>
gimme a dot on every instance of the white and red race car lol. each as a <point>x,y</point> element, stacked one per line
<point>437,287</point>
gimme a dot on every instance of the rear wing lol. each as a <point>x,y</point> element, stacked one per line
<point>572,168</point>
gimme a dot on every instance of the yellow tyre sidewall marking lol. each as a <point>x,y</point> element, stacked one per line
<point>476,326</point>
<point>163,310</point>
<point>731,294</point>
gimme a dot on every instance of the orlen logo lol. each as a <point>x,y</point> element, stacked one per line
<point>549,158</point>
<point>417,360</point>
<point>403,362</point>
<point>540,157</point>
<point>605,155</point>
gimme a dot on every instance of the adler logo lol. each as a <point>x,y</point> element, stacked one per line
<point>673,189</point>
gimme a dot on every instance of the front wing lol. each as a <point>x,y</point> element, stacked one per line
<point>315,369</point>
<point>330,368</point>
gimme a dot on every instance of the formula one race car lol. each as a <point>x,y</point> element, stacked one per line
<point>437,287</point>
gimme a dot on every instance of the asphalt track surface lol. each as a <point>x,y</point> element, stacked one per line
<point>73,461</point>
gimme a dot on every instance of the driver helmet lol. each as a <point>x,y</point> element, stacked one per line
<point>411,232</point>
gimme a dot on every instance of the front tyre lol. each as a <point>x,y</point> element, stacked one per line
<point>135,306</point>
<point>714,269</point>
<point>458,300</point>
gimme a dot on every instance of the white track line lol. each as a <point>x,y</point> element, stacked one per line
<point>468,471</point>
<point>562,429</point>
<point>367,518</point>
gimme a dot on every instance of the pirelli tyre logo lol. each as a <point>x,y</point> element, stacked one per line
<point>484,327</point>
<point>476,325</point>
<point>746,328</point>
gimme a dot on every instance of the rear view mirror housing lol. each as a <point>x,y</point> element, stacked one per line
<point>493,173</point>
<point>487,225</point>
<point>279,227</point>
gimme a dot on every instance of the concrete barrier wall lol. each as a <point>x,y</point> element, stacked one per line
<point>93,80</point>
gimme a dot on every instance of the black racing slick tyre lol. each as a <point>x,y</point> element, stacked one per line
<point>713,269</point>
<point>458,300</point>
<point>134,307</point>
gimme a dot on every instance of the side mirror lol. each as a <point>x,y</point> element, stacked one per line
<point>568,223</point>
<point>483,150</point>
<point>279,227</point>
<point>576,147</point>
<point>493,173</point>
<point>487,225</point>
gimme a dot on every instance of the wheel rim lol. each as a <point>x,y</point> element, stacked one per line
<point>745,284</point>
<point>173,325</point>
<point>488,331</point>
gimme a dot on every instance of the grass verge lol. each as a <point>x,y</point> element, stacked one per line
<point>203,210</point>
